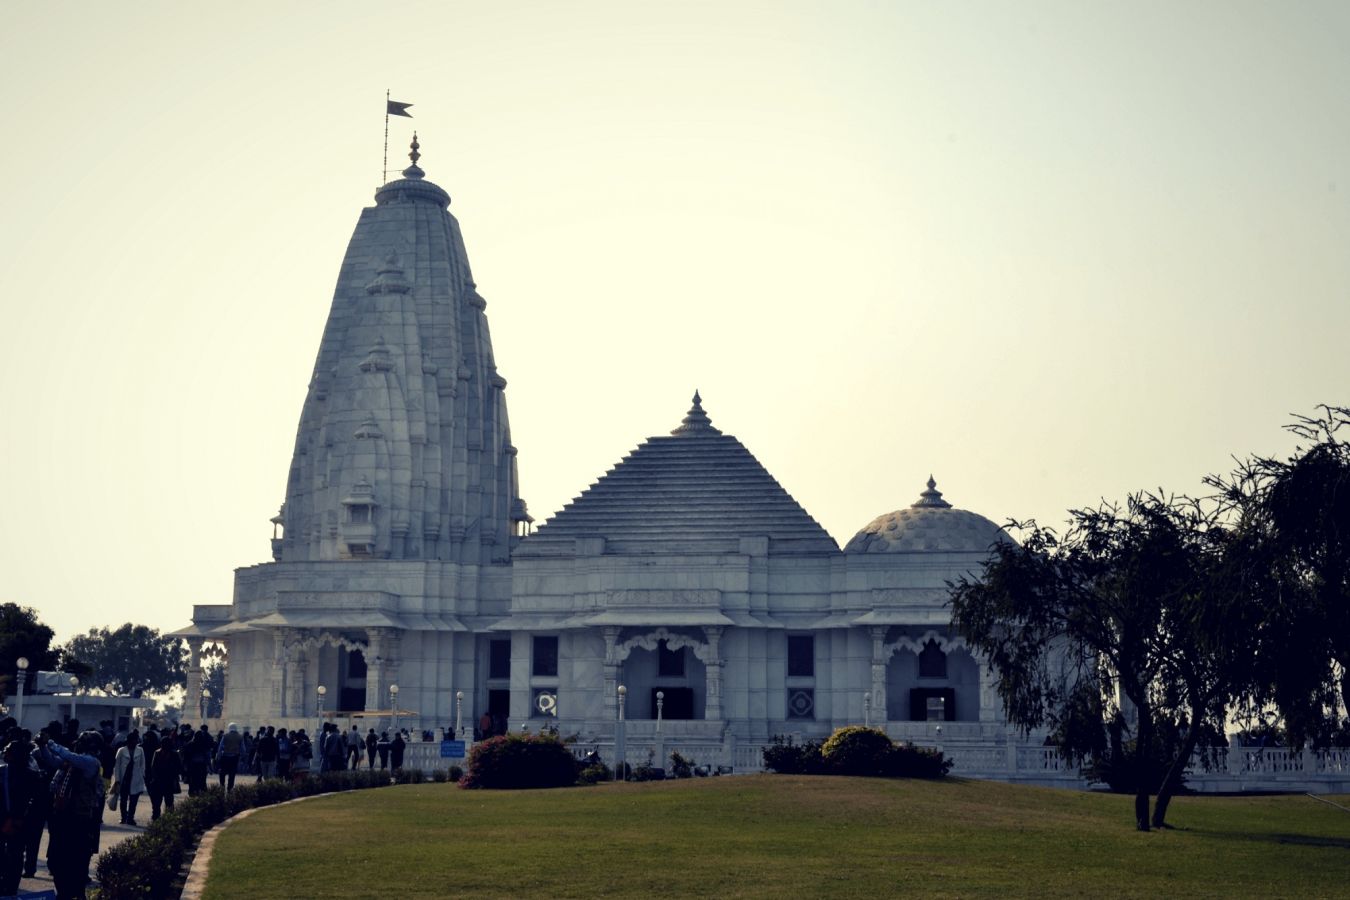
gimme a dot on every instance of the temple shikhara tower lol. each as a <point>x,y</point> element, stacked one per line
<point>404,573</point>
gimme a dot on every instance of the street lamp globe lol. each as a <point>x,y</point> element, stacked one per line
<point>22,663</point>
<point>322,690</point>
<point>74,682</point>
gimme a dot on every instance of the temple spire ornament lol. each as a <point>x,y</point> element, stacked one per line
<point>931,498</point>
<point>696,421</point>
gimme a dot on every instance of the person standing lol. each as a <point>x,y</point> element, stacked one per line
<point>228,752</point>
<point>283,754</point>
<point>302,755</point>
<point>265,753</point>
<point>129,776</point>
<point>77,811</point>
<point>165,767</point>
<point>371,743</point>
<point>396,748</point>
<point>197,759</point>
<point>42,801</point>
<point>19,788</point>
<point>354,747</point>
<point>335,750</point>
<point>150,746</point>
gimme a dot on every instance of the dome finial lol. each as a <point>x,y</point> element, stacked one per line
<point>696,421</point>
<point>414,155</point>
<point>931,497</point>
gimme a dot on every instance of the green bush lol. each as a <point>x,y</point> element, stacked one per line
<point>440,776</point>
<point>786,758</point>
<point>856,750</point>
<point>908,761</point>
<point>147,865</point>
<point>595,773</point>
<point>456,773</point>
<point>679,766</point>
<point>515,760</point>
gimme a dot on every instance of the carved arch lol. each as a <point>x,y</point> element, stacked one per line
<point>905,642</point>
<point>673,641</point>
<point>311,641</point>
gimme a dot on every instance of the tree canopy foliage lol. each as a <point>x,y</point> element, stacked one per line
<point>1135,619</point>
<point>21,634</point>
<point>1295,514</point>
<point>1134,636</point>
<point>133,659</point>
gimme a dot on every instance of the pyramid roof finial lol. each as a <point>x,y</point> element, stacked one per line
<point>696,421</point>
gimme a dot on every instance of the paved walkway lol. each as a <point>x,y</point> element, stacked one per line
<point>111,835</point>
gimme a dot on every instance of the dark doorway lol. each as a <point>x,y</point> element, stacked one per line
<point>499,703</point>
<point>942,709</point>
<point>679,702</point>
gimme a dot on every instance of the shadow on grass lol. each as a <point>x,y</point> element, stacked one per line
<point>1268,837</point>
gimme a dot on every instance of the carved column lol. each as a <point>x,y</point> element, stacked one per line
<point>611,680</point>
<point>224,658</point>
<point>375,663</point>
<point>989,702</point>
<point>296,662</point>
<point>713,700</point>
<point>193,701</point>
<point>382,658</point>
<point>879,710</point>
<point>278,677</point>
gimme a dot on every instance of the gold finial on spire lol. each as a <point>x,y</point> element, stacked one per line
<point>414,155</point>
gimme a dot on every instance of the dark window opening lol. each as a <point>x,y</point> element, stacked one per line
<point>546,656</point>
<point>932,661</point>
<point>356,664</point>
<point>499,659</point>
<point>678,702</point>
<point>669,663</point>
<point>801,656</point>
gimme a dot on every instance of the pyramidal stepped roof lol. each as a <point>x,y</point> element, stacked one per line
<point>696,490</point>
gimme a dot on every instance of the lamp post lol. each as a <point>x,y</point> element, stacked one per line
<point>206,703</point>
<point>393,703</point>
<point>620,747</point>
<point>867,709</point>
<point>660,702</point>
<point>459,715</point>
<point>318,731</point>
<point>22,663</point>
<point>74,686</point>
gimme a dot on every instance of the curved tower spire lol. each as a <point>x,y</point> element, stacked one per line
<point>403,449</point>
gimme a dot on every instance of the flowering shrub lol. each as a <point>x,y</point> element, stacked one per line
<point>514,760</point>
<point>855,751</point>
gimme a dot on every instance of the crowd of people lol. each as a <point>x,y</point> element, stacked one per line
<point>61,779</point>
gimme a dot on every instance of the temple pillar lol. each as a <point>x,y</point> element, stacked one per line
<point>192,703</point>
<point>297,660</point>
<point>382,658</point>
<point>879,708</point>
<point>278,675</point>
<point>611,674</point>
<point>989,702</point>
<point>713,699</point>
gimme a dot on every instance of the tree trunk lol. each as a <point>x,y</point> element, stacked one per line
<point>1173,776</point>
<point>1143,738</point>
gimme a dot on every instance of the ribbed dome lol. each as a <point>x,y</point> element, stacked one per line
<point>931,524</point>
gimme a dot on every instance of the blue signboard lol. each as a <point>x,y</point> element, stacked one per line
<point>452,749</point>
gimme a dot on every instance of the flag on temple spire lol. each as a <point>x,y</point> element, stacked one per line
<point>394,108</point>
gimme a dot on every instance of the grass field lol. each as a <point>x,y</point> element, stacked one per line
<point>780,836</point>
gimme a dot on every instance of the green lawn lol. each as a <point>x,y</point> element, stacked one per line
<point>780,836</point>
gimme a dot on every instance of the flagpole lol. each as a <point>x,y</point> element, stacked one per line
<point>384,176</point>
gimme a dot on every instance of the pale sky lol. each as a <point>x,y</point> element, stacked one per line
<point>1049,252</point>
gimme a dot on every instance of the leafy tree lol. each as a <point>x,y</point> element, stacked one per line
<point>131,660</point>
<point>1295,513</point>
<point>213,680</point>
<point>1136,613</point>
<point>21,634</point>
